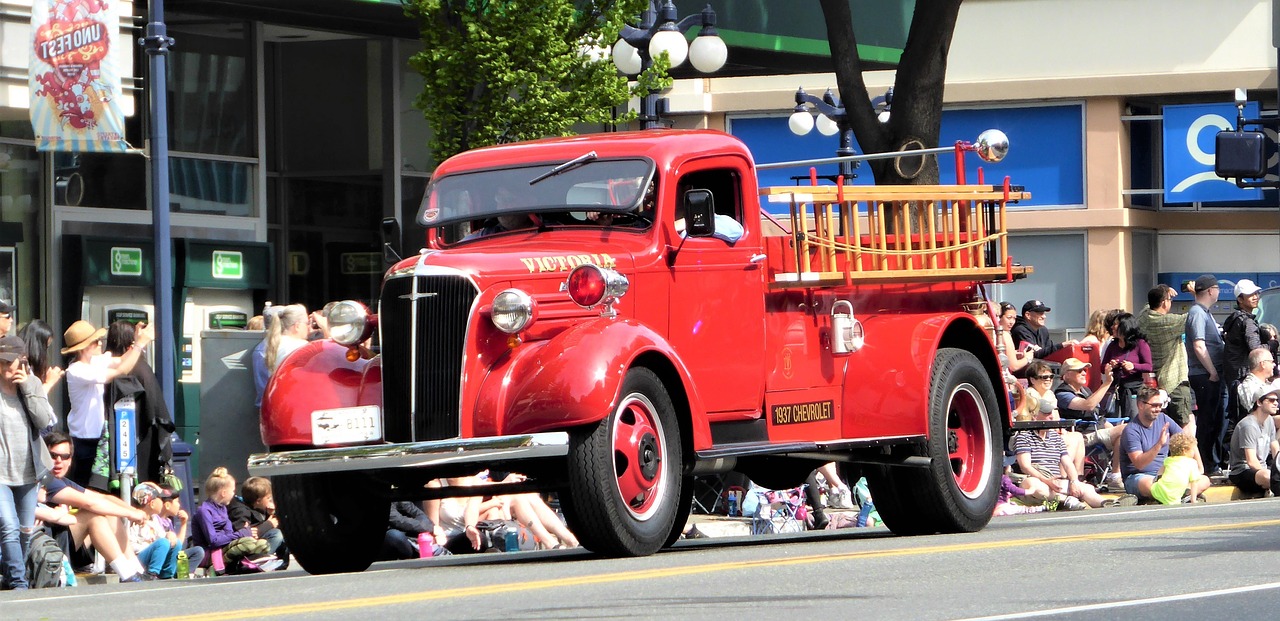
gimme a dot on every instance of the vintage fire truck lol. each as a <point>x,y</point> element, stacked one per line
<point>612,315</point>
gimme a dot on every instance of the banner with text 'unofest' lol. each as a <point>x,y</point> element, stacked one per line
<point>74,84</point>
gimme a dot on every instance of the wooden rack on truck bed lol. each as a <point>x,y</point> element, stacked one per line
<point>845,235</point>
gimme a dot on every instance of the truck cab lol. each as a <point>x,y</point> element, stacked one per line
<point>611,315</point>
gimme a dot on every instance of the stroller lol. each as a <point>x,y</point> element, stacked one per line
<point>777,511</point>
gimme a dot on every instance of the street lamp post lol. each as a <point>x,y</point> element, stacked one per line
<point>660,32</point>
<point>829,115</point>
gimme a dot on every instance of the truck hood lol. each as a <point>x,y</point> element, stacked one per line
<point>521,257</point>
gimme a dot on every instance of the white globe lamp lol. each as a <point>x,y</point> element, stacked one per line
<point>626,58</point>
<point>672,42</point>
<point>708,53</point>
<point>801,122</point>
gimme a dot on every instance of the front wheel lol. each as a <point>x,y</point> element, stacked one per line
<point>625,473</point>
<point>332,523</point>
<point>957,491</point>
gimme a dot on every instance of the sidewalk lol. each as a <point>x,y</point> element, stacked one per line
<point>717,526</point>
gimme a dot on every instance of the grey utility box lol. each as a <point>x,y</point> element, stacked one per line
<point>229,421</point>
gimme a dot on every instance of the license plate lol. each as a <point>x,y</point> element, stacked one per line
<point>346,425</point>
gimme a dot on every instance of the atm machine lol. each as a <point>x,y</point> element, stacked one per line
<point>108,279</point>
<point>220,284</point>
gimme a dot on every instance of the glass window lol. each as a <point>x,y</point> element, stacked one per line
<point>1059,279</point>
<point>210,84</point>
<point>1144,267</point>
<point>112,180</point>
<point>21,198</point>
<point>211,187</point>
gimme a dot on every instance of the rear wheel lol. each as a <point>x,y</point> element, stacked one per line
<point>625,479</point>
<point>332,523</point>
<point>957,491</point>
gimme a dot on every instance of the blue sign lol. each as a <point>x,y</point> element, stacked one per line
<point>126,434</point>
<point>1046,154</point>
<point>1190,132</point>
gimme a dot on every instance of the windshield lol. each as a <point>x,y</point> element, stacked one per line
<point>566,193</point>
<point>1269,307</point>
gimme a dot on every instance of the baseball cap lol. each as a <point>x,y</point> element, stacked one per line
<point>1205,281</point>
<point>6,308</point>
<point>12,348</point>
<point>1075,364</point>
<point>1035,306</point>
<point>146,492</point>
<point>1263,390</point>
<point>1246,287</point>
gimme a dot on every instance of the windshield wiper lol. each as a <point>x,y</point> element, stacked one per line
<point>569,165</point>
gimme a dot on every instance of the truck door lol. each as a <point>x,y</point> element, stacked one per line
<point>717,294</point>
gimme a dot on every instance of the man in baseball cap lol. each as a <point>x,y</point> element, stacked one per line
<point>1239,337</point>
<point>1030,332</point>
<point>1204,359</point>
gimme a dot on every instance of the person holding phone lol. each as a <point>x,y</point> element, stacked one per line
<point>256,509</point>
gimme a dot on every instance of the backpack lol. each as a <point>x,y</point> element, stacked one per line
<point>44,562</point>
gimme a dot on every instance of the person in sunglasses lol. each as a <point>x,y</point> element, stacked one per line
<point>1145,443</point>
<point>1253,443</point>
<point>76,516</point>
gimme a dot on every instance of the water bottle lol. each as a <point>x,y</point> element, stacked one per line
<point>733,503</point>
<point>512,543</point>
<point>425,544</point>
<point>184,568</point>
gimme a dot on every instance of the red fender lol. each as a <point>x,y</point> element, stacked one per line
<point>887,381</point>
<point>573,379</point>
<point>317,376</point>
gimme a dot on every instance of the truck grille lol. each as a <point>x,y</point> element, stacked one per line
<point>423,325</point>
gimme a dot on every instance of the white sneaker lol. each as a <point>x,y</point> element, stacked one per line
<point>1073,504</point>
<point>1114,483</point>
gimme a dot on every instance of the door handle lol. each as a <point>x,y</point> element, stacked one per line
<point>759,258</point>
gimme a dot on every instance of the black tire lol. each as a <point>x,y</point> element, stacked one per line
<point>625,475</point>
<point>683,510</point>
<point>332,523</point>
<point>957,491</point>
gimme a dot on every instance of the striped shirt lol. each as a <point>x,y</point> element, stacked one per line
<point>1046,453</point>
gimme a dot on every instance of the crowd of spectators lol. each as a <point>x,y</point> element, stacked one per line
<point>1181,400</point>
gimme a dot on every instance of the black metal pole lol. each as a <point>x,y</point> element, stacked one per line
<point>157,45</point>
<point>845,150</point>
<point>649,102</point>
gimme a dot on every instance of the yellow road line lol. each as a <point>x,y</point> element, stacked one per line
<point>671,572</point>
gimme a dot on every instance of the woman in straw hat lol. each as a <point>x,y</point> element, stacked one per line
<point>87,374</point>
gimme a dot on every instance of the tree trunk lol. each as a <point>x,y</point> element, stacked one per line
<point>916,116</point>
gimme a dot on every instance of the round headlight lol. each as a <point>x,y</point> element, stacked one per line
<point>512,310</point>
<point>347,322</point>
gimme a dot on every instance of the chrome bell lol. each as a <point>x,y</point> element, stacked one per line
<point>992,145</point>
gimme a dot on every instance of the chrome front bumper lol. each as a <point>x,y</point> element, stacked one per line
<point>410,455</point>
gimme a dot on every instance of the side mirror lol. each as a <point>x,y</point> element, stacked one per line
<point>391,240</point>
<point>699,213</point>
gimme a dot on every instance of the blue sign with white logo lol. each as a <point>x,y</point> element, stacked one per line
<point>1190,132</point>
<point>126,434</point>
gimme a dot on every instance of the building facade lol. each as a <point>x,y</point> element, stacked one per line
<point>296,130</point>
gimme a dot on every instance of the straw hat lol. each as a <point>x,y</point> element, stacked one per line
<point>80,335</point>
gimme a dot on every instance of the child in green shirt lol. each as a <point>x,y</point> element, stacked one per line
<point>1180,472</point>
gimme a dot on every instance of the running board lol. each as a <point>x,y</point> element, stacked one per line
<point>861,450</point>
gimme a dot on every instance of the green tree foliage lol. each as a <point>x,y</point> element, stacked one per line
<point>504,70</point>
<point>916,117</point>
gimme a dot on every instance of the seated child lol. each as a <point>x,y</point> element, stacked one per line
<point>175,520</point>
<point>157,549</point>
<point>258,508</point>
<point>213,529</point>
<point>1180,472</point>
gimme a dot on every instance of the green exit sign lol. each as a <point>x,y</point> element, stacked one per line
<point>126,261</point>
<point>228,265</point>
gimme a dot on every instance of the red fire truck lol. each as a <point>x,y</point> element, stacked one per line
<point>612,315</point>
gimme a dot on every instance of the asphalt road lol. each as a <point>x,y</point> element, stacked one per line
<point>1214,561</point>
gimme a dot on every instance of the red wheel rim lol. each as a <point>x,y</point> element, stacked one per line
<point>639,456</point>
<point>968,436</point>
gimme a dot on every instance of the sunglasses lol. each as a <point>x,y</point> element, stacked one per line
<point>1044,377</point>
<point>60,456</point>
<point>1271,399</point>
<point>1156,405</point>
